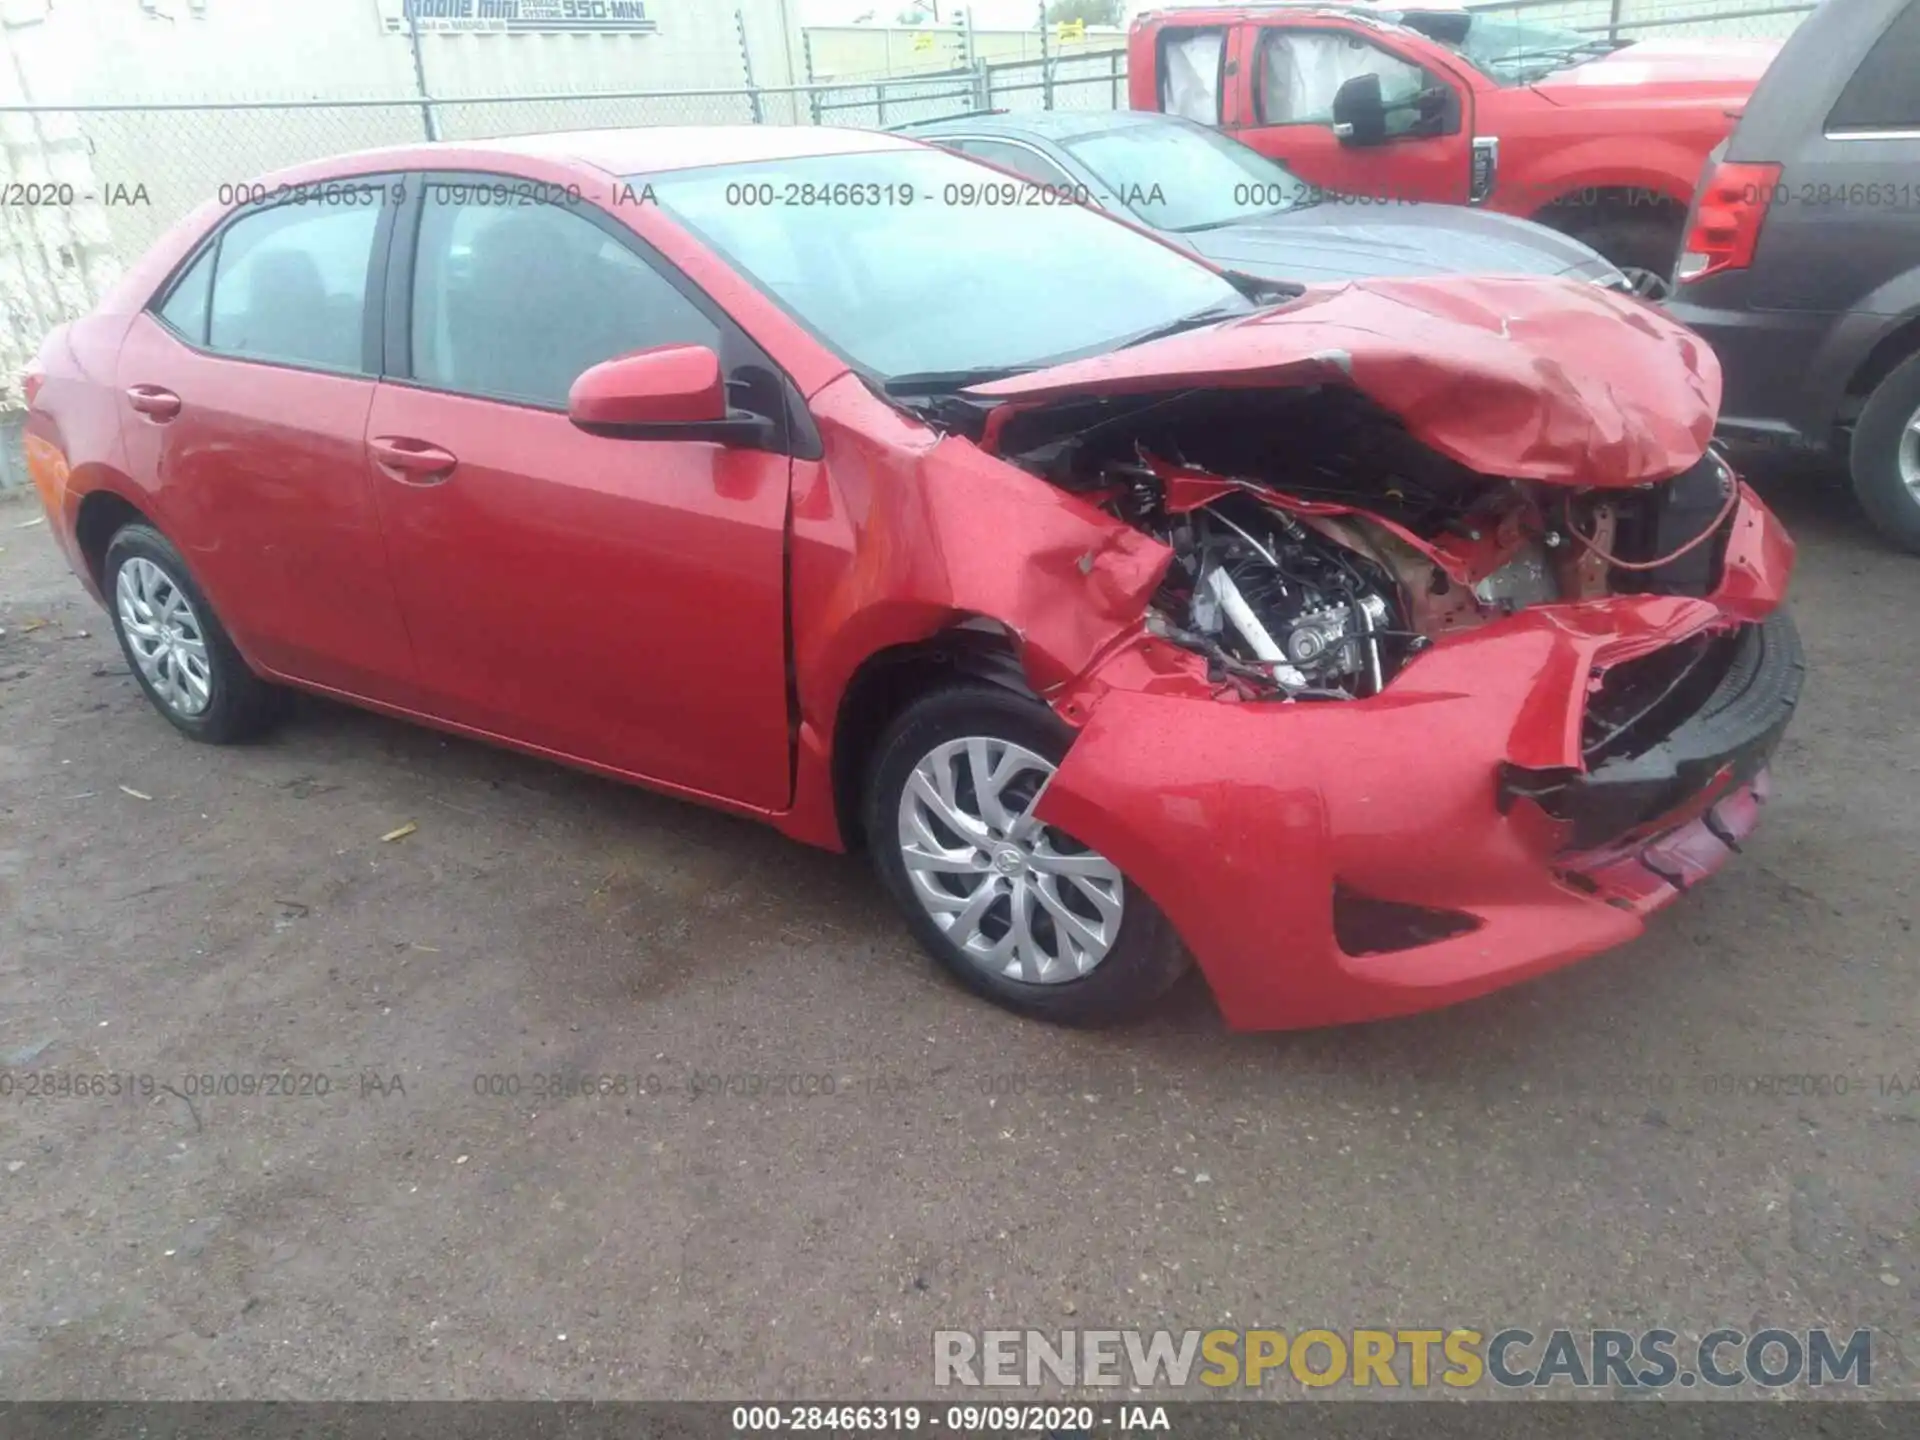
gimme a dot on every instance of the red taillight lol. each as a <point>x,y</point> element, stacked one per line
<point>1726,226</point>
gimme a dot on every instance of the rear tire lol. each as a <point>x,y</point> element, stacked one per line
<point>176,646</point>
<point>1085,946</point>
<point>1885,456</point>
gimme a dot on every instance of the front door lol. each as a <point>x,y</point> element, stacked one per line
<point>1279,100</point>
<point>615,601</point>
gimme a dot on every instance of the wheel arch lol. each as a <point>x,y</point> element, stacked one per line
<point>102,515</point>
<point>1892,350</point>
<point>890,679</point>
<point>1590,204</point>
<point>1660,173</point>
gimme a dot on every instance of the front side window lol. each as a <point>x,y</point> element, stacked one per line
<point>1179,176</point>
<point>290,283</point>
<point>936,265</point>
<point>515,301</point>
<point>1302,70</point>
<point>1190,74</point>
<point>1884,93</point>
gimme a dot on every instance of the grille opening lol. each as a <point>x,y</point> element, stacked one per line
<point>1363,925</point>
<point>1640,702</point>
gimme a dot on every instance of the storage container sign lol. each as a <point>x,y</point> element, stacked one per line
<point>520,17</point>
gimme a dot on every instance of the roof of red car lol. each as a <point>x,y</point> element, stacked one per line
<point>682,147</point>
<point>616,152</point>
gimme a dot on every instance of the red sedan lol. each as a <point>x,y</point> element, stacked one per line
<point>1373,646</point>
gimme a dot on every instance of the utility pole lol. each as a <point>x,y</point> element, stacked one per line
<point>427,117</point>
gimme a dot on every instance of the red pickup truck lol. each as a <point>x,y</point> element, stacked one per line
<point>1380,103</point>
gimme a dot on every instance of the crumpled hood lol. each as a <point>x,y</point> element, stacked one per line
<point>1549,380</point>
<point>1335,241</point>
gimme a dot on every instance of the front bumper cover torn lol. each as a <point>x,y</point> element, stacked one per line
<point>1722,745</point>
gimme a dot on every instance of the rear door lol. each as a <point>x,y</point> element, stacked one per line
<point>1283,75</point>
<point>614,601</point>
<point>245,392</point>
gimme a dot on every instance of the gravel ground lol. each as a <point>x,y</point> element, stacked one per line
<point>1555,1155</point>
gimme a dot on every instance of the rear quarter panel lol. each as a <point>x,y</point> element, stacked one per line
<point>75,445</point>
<point>73,441</point>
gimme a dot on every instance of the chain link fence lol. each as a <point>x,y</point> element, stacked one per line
<point>1085,81</point>
<point>1659,19</point>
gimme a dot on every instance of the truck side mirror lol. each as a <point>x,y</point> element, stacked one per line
<point>1359,114</point>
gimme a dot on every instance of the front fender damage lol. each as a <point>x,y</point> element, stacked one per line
<point>899,535</point>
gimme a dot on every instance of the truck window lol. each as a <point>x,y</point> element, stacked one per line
<point>1884,93</point>
<point>1190,63</point>
<point>1302,70</point>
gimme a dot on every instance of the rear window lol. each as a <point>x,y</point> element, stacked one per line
<point>1884,93</point>
<point>1190,65</point>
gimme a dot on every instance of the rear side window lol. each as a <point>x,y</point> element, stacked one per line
<point>186,306</point>
<point>1884,93</point>
<point>1190,62</point>
<point>290,284</point>
<point>514,302</point>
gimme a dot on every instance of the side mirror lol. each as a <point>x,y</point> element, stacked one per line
<point>1359,114</point>
<point>672,392</point>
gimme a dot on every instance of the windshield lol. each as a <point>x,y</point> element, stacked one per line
<point>1504,48</point>
<point>1180,176</point>
<point>918,262</point>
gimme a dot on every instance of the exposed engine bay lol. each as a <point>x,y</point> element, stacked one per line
<point>1268,600</point>
<point>1318,546</point>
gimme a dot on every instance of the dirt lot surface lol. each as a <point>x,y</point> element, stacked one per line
<point>1562,1154</point>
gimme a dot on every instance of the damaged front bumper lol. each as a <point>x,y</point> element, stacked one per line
<point>1455,812</point>
<point>1727,740</point>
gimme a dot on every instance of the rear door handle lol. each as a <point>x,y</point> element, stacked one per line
<point>152,401</point>
<point>410,461</point>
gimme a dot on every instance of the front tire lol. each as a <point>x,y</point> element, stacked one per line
<point>1016,911</point>
<point>1645,247</point>
<point>1885,456</point>
<point>176,646</point>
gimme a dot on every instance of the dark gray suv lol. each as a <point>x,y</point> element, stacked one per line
<point>1802,260</point>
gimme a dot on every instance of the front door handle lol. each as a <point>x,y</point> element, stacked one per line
<point>154,402</point>
<point>410,461</point>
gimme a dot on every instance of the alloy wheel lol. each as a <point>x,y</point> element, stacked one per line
<point>165,635</point>
<point>1910,455</point>
<point>1018,898</point>
<point>1647,284</point>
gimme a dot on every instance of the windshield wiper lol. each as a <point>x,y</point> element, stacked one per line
<point>933,382</point>
<point>1212,315</point>
<point>1204,226</point>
